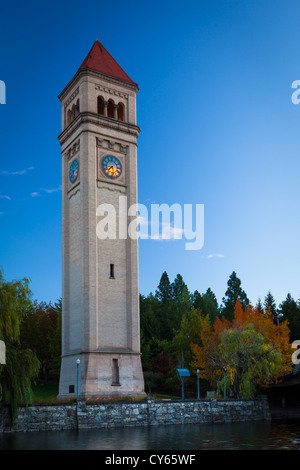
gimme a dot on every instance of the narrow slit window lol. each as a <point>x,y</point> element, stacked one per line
<point>112,271</point>
<point>115,372</point>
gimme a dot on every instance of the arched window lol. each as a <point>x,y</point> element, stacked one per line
<point>110,109</point>
<point>100,105</point>
<point>73,112</point>
<point>120,112</point>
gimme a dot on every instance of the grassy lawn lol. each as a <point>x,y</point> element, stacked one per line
<point>45,392</point>
<point>158,396</point>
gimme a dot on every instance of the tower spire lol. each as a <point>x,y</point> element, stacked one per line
<point>100,60</point>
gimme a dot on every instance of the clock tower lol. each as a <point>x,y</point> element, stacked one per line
<point>100,313</point>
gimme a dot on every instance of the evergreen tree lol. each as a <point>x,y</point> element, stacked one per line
<point>234,292</point>
<point>207,303</point>
<point>270,304</point>
<point>197,297</point>
<point>182,301</point>
<point>291,312</point>
<point>164,290</point>
<point>259,305</point>
<point>41,332</point>
<point>211,295</point>
<point>178,287</point>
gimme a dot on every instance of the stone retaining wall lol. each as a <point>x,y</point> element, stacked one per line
<point>146,412</point>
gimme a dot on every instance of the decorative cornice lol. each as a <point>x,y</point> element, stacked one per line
<point>86,72</point>
<point>69,100</point>
<point>73,149</point>
<point>111,91</point>
<point>94,118</point>
<point>111,145</point>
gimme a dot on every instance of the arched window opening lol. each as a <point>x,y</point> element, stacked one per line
<point>110,109</point>
<point>73,112</point>
<point>120,112</point>
<point>100,105</point>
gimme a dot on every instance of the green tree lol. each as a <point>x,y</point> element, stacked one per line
<point>160,315</point>
<point>164,291</point>
<point>207,303</point>
<point>188,333</point>
<point>234,291</point>
<point>259,305</point>
<point>182,302</point>
<point>291,311</point>
<point>150,329</point>
<point>178,287</point>
<point>197,297</point>
<point>270,304</point>
<point>22,365</point>
<point>41,332</point>
<point>247,358</point>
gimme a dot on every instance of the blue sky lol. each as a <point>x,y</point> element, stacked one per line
<point>218,128</point>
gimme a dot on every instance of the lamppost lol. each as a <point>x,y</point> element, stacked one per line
<point>279,316</point>
<point>78,364</point>
<point>198,387</point>
<point>224,381</point>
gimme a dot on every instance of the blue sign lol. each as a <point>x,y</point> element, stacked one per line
<point>183,372</point>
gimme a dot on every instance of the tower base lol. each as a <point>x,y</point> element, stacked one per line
<point>102,374</point>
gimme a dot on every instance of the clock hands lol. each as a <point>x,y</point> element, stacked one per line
<point>111,166</point>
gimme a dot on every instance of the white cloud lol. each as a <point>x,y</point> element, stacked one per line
<point>165,231</point>
<point>52,190</point>
<point>20,172</point>
<point>6,197</point>
<point>219,255</point>
<point>46,190</point>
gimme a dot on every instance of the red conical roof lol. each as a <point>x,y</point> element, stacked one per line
<point>100,60</point>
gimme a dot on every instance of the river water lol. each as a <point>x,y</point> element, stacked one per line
<point>275,435</point>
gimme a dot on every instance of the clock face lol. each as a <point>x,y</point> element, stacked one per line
<point>111,166</point>
<point>74,170</point>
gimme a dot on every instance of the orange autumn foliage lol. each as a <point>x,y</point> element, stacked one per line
<point>207,357</point>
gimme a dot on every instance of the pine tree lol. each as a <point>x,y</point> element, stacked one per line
<point>270,304</point>
<point>234,292</point>
<point>291,312</point>
<point>207,303</point>
<point>164,290</point>
<point>177,287</point>
<point>197,297</point>
<point>259,305</point>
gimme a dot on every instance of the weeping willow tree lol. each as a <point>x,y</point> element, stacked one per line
<point>22,366</point>
<point>248,359</point>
